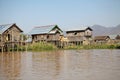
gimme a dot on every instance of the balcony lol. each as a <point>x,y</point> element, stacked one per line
<point>88,35</point>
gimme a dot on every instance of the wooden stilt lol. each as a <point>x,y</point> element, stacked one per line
<point>17,46</point>
<point>2,49</point>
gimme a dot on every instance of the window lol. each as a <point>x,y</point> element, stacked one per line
<point>36,37</point>
<point>8,37</point>
<point>47,36</point>
<point>87,33</point>
<point>75,33</point>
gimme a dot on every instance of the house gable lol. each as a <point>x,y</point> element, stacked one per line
<point>88,28</point>
<point>55,30</point>
<point>88,32</point>
<point>14,28</point>
<point>6,27</point>
<point>56,27</point>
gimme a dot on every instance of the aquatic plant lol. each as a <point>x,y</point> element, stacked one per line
<point>94,46</point>
<point>40,46</point>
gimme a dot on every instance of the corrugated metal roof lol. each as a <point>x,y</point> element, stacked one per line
<point>42,29</point>
<point>101,37</point>
<point>82,29</point>
<point>112,36</point>
<point>4,27</point>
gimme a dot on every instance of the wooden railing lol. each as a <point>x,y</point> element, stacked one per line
<point>88,35</point>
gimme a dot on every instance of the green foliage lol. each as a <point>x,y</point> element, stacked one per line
<point>73,47</point>
<point>41,46</point>
<point>117,46</point>
<point>103,46</point>
<point>47,46</point>
<point>23,37</point>
<point>22,48</point>
<point>34,47</point>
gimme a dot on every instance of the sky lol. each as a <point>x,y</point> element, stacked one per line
<point>67,14</point>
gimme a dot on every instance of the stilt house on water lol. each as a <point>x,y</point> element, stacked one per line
<point>80,37</point>
<point>101,39</point>
<point>114,39</point>
<point>49,33</point>
<point>9,36</point>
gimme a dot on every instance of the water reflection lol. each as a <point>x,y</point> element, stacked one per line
<point>61,65</point>
<point>10,66</point>
<point>46,63</point>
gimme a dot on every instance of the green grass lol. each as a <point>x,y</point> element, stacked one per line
<point>41,47</point>
<point>47,47</point>
<point>35,47</point>
<point>73,47</point>
<point>103,46</point>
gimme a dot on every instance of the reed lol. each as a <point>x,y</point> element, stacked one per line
<point>41,46</point>
<point>95,46</point>
<point>102,46</point>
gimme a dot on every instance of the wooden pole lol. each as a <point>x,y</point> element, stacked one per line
<point>2,43</point>
<point>7,43</point>
<point>26,42</point>
<point>21,40</point>
<point>12,41</point>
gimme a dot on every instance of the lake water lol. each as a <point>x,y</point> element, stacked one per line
<point>61,65</point>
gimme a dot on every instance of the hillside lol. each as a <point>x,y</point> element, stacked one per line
<point>102,30</point>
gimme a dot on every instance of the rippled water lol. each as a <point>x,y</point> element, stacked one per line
<point>61,65</point>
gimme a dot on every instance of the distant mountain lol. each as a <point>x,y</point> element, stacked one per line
<point>102,30</point>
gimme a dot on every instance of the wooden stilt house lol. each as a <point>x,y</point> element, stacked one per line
<point>80,37</point>
<point>101,39</point>
<point>114,39</point>
<point>49,33</point>
<point>9,36</point>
